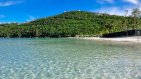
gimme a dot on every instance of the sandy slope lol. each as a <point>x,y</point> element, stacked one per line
<point>136,39</point>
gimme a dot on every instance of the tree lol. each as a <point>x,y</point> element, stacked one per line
<point>136,12</point>
<point>125,23</point>
<point>136,15</point>
<point>71,24</point>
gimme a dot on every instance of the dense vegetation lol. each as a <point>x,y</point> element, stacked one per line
<point>71,24</point>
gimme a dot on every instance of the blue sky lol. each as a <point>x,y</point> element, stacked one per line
<point>27,10</point>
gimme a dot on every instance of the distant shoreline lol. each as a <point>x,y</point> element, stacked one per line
<point>135,39</point>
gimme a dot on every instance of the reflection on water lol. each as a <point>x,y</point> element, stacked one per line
<point>68,59</point>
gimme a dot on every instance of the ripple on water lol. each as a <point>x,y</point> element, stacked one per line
<point>68,59</point>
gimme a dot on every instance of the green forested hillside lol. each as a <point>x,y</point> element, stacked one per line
<point>71,24</point>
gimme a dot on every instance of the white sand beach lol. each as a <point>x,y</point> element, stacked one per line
<point>136,39</point>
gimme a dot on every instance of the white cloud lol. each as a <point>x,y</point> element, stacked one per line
<point>31,18</point>
<point>119,10</point>
<point>111,11</point>
<point>114,10</point>
<point>136,2</point>
<point>132,1</point>
<point>9,3</point>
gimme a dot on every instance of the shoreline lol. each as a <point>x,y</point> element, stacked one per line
<point>135,39</point>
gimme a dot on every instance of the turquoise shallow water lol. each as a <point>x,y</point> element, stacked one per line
<point>64,58</point>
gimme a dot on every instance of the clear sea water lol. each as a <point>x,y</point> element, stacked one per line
<point>65,58</point>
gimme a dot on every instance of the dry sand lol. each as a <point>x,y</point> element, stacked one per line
<point>136,39</point>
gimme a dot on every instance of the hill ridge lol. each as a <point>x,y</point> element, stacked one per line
<point>70,24</point>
